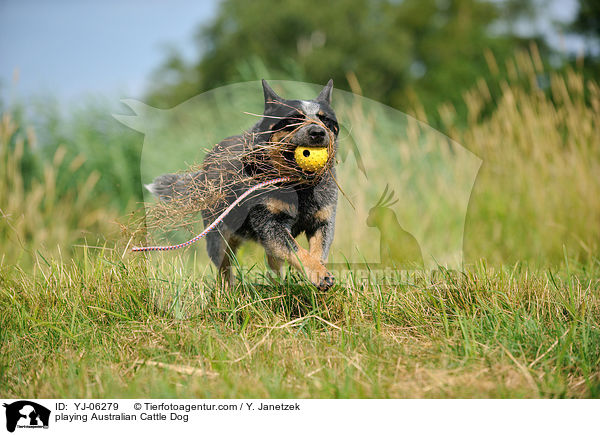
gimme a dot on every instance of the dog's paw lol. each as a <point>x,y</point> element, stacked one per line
<point>326,282</point>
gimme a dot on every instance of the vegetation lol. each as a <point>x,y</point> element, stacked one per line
<point>93,321</point>
<point>40,209</point>
<point>92,327</point>
<point>397,51</point>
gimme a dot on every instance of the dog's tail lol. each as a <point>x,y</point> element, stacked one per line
<point>169,187</point>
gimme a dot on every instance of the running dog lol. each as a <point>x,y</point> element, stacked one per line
<point>288,131</point>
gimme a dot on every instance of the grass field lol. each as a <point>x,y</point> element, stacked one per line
<point>94,327</point>
<point>81,317</point>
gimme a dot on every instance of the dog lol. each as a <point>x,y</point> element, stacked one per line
<point>271,217</point>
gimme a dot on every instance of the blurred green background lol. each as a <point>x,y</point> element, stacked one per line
<point>515,82</point>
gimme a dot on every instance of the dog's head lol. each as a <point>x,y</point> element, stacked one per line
<point>287,125</point>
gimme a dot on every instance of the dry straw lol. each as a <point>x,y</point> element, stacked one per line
<point>233,170</point>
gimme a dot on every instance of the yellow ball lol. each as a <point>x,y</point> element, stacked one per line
<point>311,159</point>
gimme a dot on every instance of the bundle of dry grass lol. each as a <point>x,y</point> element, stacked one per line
<point>228,171</point>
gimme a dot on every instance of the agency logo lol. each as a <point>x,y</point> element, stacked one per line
<point>24,414</point>
<point>403,189</point>
<point>404,186</point>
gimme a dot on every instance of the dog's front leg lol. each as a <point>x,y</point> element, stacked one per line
<point>277,240</point>
<point>320,232</point>
<point>272,226</point>
<point>285,247</point>
<point>319,242</point>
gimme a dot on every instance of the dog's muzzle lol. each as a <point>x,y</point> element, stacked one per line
<point>316,134</point>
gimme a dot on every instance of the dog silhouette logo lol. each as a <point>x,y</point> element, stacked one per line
<point>431,175</point>
<point>26,414</point>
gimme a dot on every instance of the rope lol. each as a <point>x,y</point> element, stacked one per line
<point>217,220</point>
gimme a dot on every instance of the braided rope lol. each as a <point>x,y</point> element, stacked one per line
<point>217,220</point>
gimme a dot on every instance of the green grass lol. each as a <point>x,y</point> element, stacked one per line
<point>99,327</point>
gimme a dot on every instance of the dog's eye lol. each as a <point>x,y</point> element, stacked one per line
<point>329,123</point>
<point>288,123</point>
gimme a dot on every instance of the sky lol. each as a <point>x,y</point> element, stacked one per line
<point>72,48</point>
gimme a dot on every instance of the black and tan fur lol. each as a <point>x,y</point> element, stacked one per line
<point>271,217</point>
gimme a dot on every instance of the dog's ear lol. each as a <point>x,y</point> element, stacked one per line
<point>325,95</point>
<point>270,95</point>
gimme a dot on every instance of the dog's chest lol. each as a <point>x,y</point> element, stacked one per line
<point>308,205</point>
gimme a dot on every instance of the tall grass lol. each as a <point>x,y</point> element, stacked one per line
<point>37,214</point>
<point>536,194</point>
<point>538,191</point>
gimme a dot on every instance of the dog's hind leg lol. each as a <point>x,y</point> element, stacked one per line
<point>276,266</point>
<point>221,250</point>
